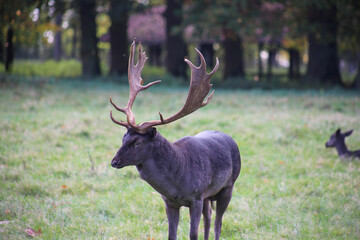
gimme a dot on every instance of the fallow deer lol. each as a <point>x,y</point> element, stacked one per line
<point>193,171</point>
<point>337,140</point>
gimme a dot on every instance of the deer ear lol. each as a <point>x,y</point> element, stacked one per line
<point>348,133</point>
<point>152,132</point>
<point>337,133</point>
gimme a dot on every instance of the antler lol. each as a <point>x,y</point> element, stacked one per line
<point>198,90</point>
<point>135,84</point>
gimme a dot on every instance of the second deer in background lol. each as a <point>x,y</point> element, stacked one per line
<point>337,140</point>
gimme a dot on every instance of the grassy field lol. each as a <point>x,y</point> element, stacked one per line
<point>57,141</point>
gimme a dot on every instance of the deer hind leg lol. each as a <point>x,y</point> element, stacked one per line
<point>207,218</point>
<point>222,202</point>
<point>196,208</point>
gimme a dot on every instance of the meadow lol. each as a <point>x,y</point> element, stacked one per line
<point>57,141</point>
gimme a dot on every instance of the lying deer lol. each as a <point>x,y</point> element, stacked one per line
<point>337,140</point>
<point>193,171</point>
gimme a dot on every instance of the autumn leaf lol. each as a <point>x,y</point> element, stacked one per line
<point>32,233</point>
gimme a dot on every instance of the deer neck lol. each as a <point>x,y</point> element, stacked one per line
<point>163,166</point>
<point>342,149</point>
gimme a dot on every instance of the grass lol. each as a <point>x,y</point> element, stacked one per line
<point>71,68</point>
<point>56,143</point>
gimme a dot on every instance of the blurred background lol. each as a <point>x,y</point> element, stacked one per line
<point>61,60</point>
<point>259,43</point>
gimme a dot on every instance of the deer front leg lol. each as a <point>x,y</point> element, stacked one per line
<point>173,220</point>
<point>196,209</point>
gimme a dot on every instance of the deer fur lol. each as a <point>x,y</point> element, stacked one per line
<point>337,140</point>
<point>190,172</point>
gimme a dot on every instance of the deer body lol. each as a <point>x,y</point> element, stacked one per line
<point>190,168</point>
<point>193,171</point>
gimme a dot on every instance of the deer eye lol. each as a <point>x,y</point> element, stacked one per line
<point>138,144</point>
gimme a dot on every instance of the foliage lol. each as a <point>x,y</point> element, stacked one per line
<point>103,24</point>
<point>50,68</point>
<point>149,26</point>
<point>57,142</point>
<point>349,20</point>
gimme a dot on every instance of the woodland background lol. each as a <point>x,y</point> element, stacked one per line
<point>259,43</point>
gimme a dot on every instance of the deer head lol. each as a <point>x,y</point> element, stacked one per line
<point>198,90</point>
<point>338,138</point>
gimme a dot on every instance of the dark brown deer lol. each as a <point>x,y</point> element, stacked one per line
<point>337,140</point>
<point>193,171</point>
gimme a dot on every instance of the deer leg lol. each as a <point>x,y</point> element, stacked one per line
<point>207,218</point>
<point>173,220</point>
<point>196,208</point>
<point>222,202</point>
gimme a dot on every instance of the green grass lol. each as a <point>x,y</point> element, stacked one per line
<point>71,68</point>
<point>49,68</point>
<point>57,141</point>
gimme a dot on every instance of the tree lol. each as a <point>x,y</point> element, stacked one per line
<point>9,49</point>
<point>323,65</point>
<point>349,32</point>
<point>294,64</point>
<point>118,36</point>
<point>149,26</point>
<point>234,60</point>
<point>11,16</point>
<point>175,44</point>
<point>207,49</point>
<point>59,9</point>
<point>228,22</point>
<point>89,51</point>
<point>270,23</point>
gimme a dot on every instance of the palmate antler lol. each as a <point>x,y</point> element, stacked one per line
<point>198,90</point>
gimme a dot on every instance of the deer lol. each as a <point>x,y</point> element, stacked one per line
<point>337,140</point>
<point>194,171</point>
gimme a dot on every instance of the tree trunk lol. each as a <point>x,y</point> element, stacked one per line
<point>9,49</point>
<point>208,52</point>
<point>57,40</point>
<point>234,63</point>
<point>175,45</point>
<point>294,67</point>
<point>269,74</point>
<point>89,51</point>
<point>74,42</point>
<point>118,37</point>
<point>59,11</point>
<point>155,55</point>
<point>2,55</point>
<point>260,65</point>
<point>273,48</point>
<point>356,83</point>
<point>323,65</point>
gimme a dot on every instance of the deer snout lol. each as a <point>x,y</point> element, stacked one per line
<point>329,144</point>
<point>115,162</point>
